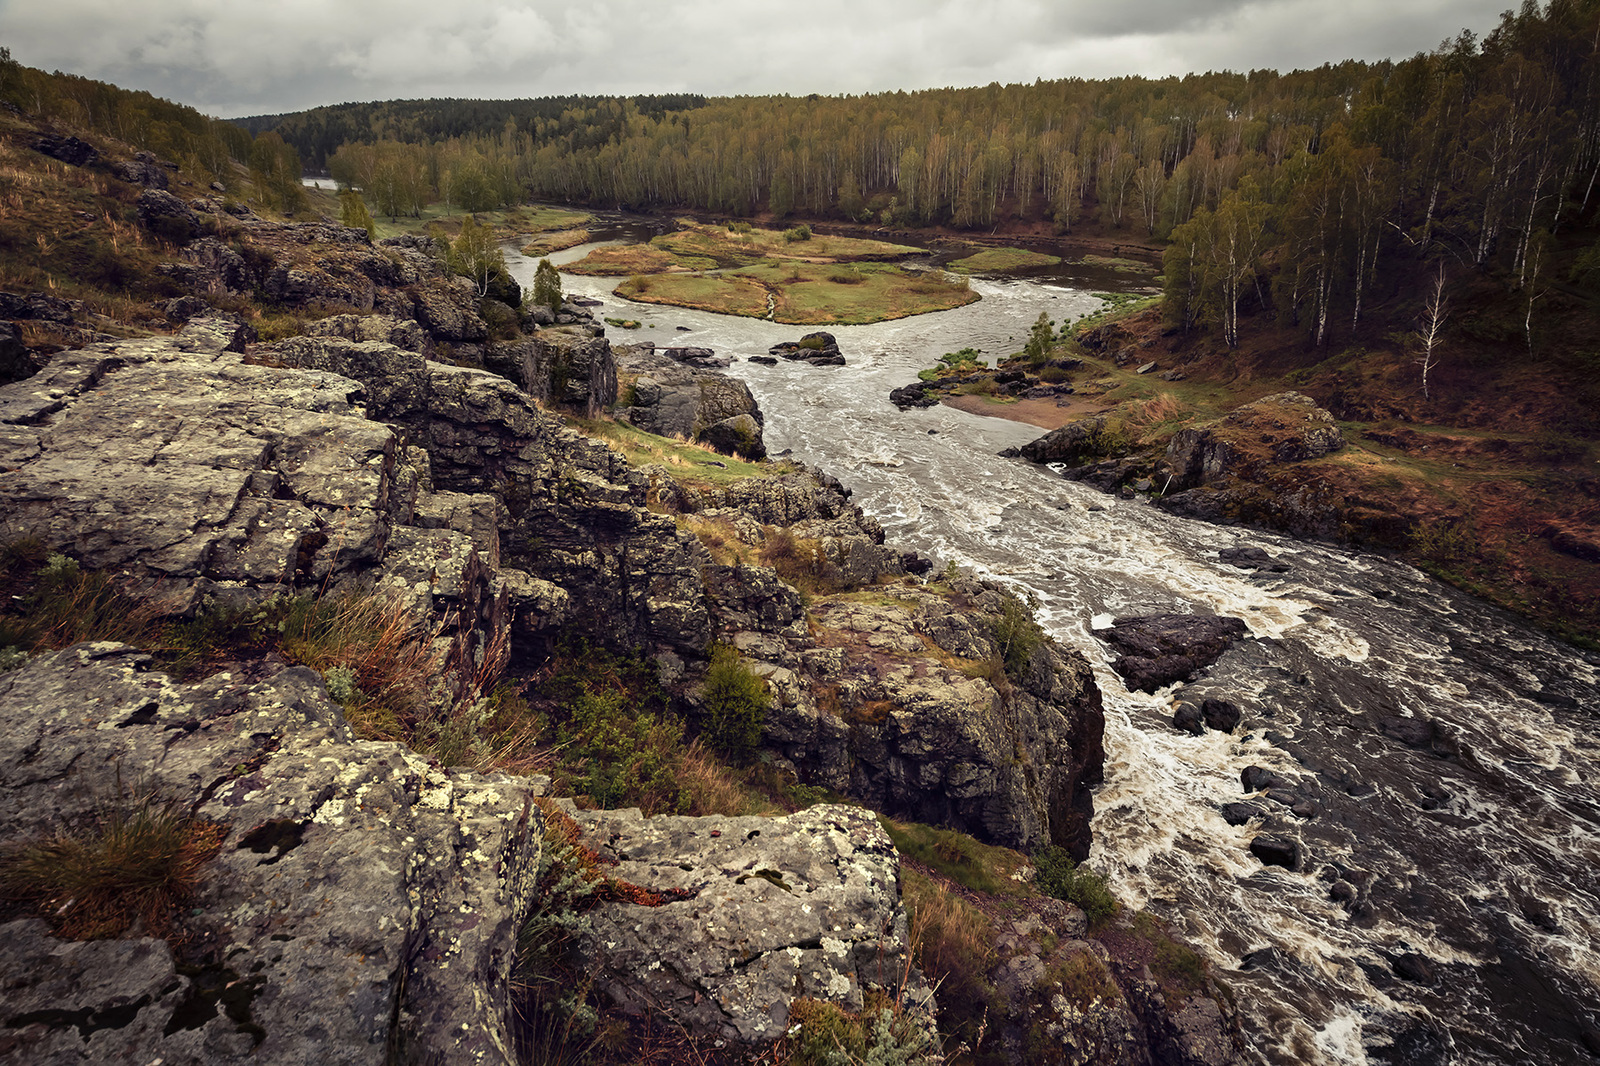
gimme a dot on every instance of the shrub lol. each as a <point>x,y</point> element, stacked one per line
<point>137,859</point>
<point>558,1025</point>
<point>1061,877</point>
<point>625,755</point>
<point>736,705</point>
<point>1016,636</point>
<point>797,234</point>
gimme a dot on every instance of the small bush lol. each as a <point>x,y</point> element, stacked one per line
<point>736,704</point>
<point>797,234</point>
<point>136,860</point>
<point>1016,636</point>
<point>1059,876</point>
<point>558,1024</point>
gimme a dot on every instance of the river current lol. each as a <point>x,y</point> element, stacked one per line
<point>1446,908</point>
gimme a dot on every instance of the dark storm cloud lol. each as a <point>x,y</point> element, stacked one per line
<point>276,55</point>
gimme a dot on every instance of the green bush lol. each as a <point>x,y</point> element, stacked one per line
<point>799,233</point>
<point>1059,876</point>
<point>736,705</point>
<point>624,755</point>
<point>1016,636</point>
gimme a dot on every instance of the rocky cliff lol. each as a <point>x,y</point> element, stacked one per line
<point>203,470</point>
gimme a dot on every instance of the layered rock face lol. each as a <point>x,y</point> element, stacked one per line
<point>359,873</point>
<point>362,901</point>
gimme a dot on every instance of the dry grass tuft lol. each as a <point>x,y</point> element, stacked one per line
<point>129,869</point>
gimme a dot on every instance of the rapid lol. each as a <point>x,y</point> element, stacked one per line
<point>1446,908</point>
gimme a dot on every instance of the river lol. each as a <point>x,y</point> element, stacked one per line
<point>1443,752</point>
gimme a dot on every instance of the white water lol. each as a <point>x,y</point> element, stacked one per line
<point>1453,845</point>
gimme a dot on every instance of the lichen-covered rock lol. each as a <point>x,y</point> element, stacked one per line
<point>674,399</point>
<point>192,474</point>
<point>363,900</point>
<point>759,911</point>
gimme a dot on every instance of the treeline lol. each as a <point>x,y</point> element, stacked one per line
<point>206,148</point>
<point>586,120</point>
<point>1293,191</point>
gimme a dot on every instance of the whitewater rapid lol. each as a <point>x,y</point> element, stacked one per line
<point>1474,851</point>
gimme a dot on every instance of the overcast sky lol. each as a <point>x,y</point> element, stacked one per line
<point>265,56</point>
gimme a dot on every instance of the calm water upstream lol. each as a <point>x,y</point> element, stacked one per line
<point>1449,751</point>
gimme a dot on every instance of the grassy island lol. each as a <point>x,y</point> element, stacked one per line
<point>793,276</point>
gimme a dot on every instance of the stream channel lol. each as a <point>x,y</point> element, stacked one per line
<point>1446,908</point>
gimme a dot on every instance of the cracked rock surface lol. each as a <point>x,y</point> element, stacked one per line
<point>804,905</point>
<point>363,903</point>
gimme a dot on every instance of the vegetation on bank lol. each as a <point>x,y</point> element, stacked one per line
<point>1498,500</point>
<point>996,260</point>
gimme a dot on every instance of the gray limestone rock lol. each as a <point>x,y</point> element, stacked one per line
<point>758,912</point>
<point>362,899</point>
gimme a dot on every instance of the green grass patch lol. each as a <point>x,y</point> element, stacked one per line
<point>620,260</point>
<point>689,463</point>
<point>999,259</point>
<point>964,860</point>
<point>745,246</point>
<point>558,241</point>
<point>723,294</point>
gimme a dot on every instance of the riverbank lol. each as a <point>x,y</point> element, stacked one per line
<point>1499,501</point>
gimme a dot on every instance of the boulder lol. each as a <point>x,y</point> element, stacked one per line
<point>1072,443</point>
<point>68,150</point>
<point>754,913</point>
<point>818,349</point>
<point>675,399</point>
<point>362,899</point>
<point>1157,650</point>
<point>1276,850</point>
<point>739,435</point>
<point>916,394</point>
<point>1250,557</point>
<point>142,169</point>
<point>168,217</point>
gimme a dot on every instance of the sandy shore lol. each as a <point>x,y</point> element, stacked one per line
<point>1043,413</point>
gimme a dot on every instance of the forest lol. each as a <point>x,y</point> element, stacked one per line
<point>1298,193</point>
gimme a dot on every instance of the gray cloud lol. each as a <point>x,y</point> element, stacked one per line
<point>278,55</point>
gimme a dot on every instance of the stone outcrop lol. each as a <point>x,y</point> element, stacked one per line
<point>420,877</point>
<point>1285,428</point>
<point>1068,999</point>
<point>195,475</point>
<point>1159,649</point>
<point>675,398</point>
<point>757,912</point>
<point>819,349</point>
<point>1073,443</point>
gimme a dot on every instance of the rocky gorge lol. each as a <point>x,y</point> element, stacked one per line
<point>401,449</point>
